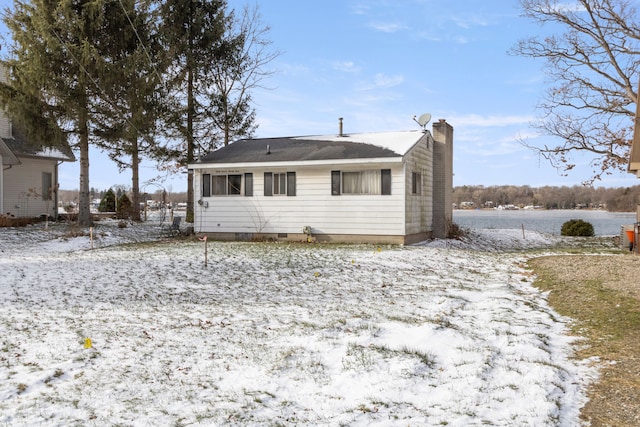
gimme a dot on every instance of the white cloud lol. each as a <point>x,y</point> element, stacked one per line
<point>491,120</point>
<point>383,80</point>
<point>388,27</point>
<point>346,66</point>
<point>468,23</point>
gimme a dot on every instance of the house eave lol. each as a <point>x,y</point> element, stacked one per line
<point>292,164</point>
<point>44,156</point>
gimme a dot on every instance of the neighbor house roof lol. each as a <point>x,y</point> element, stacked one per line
<point>20,146</point>
<point>8,158</point>
<point>383,145</point>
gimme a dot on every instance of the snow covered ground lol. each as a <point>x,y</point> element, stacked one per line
<point>443,333</point>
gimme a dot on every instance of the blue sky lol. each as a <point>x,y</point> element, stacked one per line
<point>377,63</point>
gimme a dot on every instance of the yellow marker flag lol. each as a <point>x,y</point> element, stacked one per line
<point>87,343</point>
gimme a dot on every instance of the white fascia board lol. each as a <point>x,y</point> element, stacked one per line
<point>267,165</point>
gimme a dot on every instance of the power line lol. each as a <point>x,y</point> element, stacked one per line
<point>146,51</point>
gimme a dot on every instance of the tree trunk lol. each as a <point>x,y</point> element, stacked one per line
<point>190,145</point>
<point>135,179</point>
<point>84,200</point>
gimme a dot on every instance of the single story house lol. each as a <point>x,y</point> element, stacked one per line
<point>388,187</point>
<point>29,175</point>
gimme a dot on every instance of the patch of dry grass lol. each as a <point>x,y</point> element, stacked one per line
<point>602,295</point>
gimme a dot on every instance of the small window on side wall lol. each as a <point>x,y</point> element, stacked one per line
<point>416,183</point>
<point>47,186</point>
<point>386,182</point>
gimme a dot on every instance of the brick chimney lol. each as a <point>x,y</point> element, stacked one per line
<point>442,178</point>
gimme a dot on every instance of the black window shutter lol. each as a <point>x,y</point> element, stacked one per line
<point>386,181</point>
<point>248,184</point>
<point>206,185</point>
<point>335,183</point>
<point>268,184</point>
<point>291,183</point>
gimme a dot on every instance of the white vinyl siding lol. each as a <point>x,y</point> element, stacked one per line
<point>23,188</point>
<point>419,207</point>
<point>360,214</point>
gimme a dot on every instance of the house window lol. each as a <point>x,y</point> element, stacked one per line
<point>248,184</point>
<point>416,183</point>
<point>234,184</point>
<point>279,183</point>
<point>221,185</point>
<point>47,186</point>
<point>376,181</point>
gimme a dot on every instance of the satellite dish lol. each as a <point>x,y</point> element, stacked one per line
<point>424,119</point>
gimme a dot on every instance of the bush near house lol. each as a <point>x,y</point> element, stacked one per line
<point>108,202</point>
<point>124,207</point>
<point>577,227</point>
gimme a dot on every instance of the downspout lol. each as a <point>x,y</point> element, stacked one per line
<point>55,189</point>
<point>2,188</point>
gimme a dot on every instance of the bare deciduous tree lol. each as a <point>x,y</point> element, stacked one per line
<point>591,66</point>
<point>237,75</point>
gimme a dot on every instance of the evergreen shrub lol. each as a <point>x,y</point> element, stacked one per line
<point>577,227</point>
<point>108,202</point>
<point>124,207</point>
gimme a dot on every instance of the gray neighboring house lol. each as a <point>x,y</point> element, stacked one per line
<point>384,187</point>
<point>29,175</point>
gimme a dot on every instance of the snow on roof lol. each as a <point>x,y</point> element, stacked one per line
<point>399,142</point>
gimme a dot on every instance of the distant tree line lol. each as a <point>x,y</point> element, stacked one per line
<point>622,199</point>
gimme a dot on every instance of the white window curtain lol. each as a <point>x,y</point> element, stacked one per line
<point>364,182</point>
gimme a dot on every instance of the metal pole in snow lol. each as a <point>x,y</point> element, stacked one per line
<point>523,232</point>
<point>204,239</point>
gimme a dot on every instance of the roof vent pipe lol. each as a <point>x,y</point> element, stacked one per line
<point>340,127</point>
<point>268,149</point>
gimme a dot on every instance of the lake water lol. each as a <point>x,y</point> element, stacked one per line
<point>545,221</point>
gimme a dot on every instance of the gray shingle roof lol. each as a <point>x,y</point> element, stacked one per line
<point>294,149</point>
<point>21,146</point>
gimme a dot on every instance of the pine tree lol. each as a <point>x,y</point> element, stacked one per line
<point>132,87</point>
<point>194,35</point>
<point>52,75</point>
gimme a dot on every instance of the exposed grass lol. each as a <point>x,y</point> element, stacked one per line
<point>609,319</point>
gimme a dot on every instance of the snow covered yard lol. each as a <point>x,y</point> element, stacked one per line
<point>278,334</point>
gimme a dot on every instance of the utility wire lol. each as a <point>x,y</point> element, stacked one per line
<point>146,51</point>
